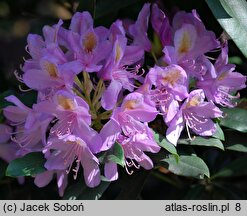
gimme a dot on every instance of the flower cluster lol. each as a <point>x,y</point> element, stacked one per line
<point>93,92</point>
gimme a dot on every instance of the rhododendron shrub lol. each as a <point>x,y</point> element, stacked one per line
<point>101,108</point>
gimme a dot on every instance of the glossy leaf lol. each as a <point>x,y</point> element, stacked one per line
<point>164,143</point>
<point>188,165</point>
<point>232,16</point>
<point>117,155</point>
<point>235,119</point>
<point>201,141</point>
<point>219,134</point>
<point>235,141</point>
<point>238,147</point>
<point>29,165</point>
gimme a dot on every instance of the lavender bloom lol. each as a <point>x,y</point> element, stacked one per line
<point>116,70</point>
<point>53,72</point>
<point>7,149</point>
<point>49,69</point>
<point>191,41</point>
<point>161,25</point>
<point>195,114</point>
<point>69,149</point>
<point>171,86</point>
<point>134,107</point>
<point>30,126</point>
<point>5,132</point>
<point>43,179</point>
<point>136,138</point>
<point>70,110</point>
<point>88,45</point>
<point>72,114</point>
<point>221,81</point>
<point>138,30</point>
<point>126,128</point>
<point>36,45</point>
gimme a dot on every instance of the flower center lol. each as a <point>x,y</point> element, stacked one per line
<point>171,78</point>
<point>90,42</point>
<point>65,102</point>
<point>185,43</point>
<point>130,104</point>
<point>75,142</point>
<point>51,69</point>
<point>118,53</point>
<point>222,76</point>
<point>194,101</point>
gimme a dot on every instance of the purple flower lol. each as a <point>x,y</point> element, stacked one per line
<point>136,138</point>
<point>52,72</point>
<point>127,128</point>
<point>135,106</point>
<point>161,25</point>
<point>30,126</point>
<point>194,114</point>
<point>221,81</point>
<point>87,44</point>
<point>7,149</point>
<point>36,45</point>
<point>72,114</point>
<point>43,179</point>
<point>171,86</point>
<point>115,69</point>
<point>70,110</point>
<point>69,149</point>
<point>191,41</point>
<point>5,133</point>
<point>138,30</point>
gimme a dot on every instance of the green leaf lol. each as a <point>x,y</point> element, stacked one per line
<point>235,141</point>
<point>235,60</point>
<point>188,165</point>
<point>235,119</point>
<point>235,168</point>
<point>210,142</point>
<point>219,134</point>
<point>29,165</point>
<point>164,143</point>
<point>238,147</point>
<point>81,191</point>
<point>232,16</point>
<point>117,155</point>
